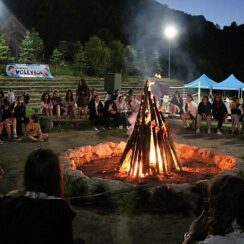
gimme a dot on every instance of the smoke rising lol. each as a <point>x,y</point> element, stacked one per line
<point>146,36</point>
<point>4,12</point>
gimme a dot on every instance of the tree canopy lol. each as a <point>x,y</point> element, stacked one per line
<point>201,46</point>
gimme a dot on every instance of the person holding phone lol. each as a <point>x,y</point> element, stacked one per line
<point>223,222</point>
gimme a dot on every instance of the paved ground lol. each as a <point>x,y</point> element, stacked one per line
<point>97,226</point>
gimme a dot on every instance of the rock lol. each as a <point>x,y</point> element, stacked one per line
<point>102,151</point>
<point>206,155</point>
<point>119,149</point>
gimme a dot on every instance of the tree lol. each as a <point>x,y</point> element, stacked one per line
<point>97,55</point>
<point>4,50</point>
<point>117,52</point>
<point>57,58</point>
<point>80,61</point>
<point>31,49</point>
<point>129,61</point>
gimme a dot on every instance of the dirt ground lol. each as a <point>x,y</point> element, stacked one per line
<point>95,225</point>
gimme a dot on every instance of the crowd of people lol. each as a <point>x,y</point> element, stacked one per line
<point>113,112</point>
<point>13,115</point>
<point>208,109</point>
<point>116,111</point>
<point>40,215</point>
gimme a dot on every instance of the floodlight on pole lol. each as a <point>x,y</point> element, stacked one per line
<point>170,33</point>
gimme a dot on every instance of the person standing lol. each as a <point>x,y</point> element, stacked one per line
<point>219,112</point>
<point>82,96</point>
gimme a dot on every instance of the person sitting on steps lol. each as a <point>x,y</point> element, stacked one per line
<point>96,110</point>
<point>46,104</point>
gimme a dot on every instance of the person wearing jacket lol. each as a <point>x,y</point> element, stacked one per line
<point>95,107</point>
<point>219,112</point>
<point>204,111</point>
<point>20,114</point>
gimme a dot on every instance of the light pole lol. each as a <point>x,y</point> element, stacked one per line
<point>170,33</point>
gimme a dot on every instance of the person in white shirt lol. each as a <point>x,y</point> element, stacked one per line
<point>134,106</point>
<point>223,222</point>
<point>11,96</point>
<point>122,110</point>
<point>190,111</point>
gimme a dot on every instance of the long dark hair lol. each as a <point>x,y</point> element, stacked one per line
<point>226,204</point>
<point>43,97</point>
<point>82,86</point>
<point>43,173</point>
<point>71,96</point>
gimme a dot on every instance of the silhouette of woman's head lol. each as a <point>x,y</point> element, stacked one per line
<point>226,204</point>
<point>43,173</point>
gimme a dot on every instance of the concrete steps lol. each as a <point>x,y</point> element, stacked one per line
<point>36,87</point>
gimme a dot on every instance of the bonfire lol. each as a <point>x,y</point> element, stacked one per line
<point>150,151</point>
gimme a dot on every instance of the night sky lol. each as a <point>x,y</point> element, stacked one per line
<point>221,12</point>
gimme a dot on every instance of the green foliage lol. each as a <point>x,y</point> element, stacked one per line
<point>69,50</point>
<point>4,50</point>
<point>57,58</point>
<point>31,49</point>
<point>80,61</point>
<point>97,55</point>
<point>63,48</point>
<point>117,52</point>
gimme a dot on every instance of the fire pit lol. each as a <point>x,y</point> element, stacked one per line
<point>103,161</point>
<point>150,155</point>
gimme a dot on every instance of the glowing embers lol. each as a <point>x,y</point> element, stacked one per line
<point>150,150</point>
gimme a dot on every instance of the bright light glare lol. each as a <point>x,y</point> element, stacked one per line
<point>170,32</point>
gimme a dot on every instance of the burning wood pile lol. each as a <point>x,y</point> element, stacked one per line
<point>150,151</point>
